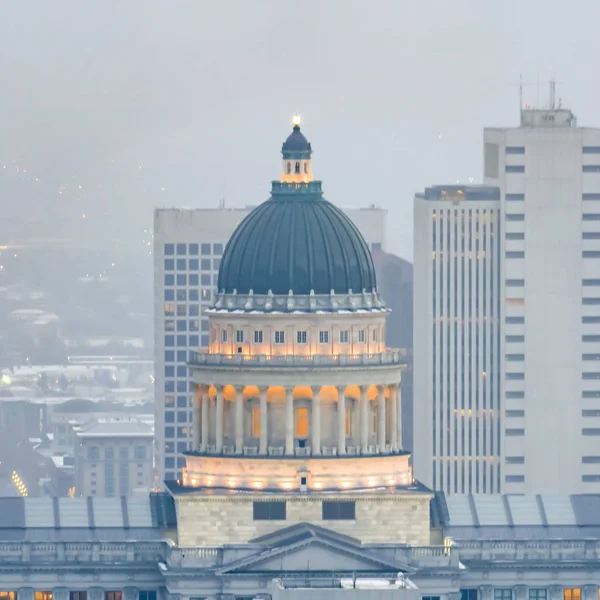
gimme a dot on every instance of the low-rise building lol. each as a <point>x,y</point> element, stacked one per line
<point>114,457</point>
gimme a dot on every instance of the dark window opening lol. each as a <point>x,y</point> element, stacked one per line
<point>269,511</point>
<point>339,510</point>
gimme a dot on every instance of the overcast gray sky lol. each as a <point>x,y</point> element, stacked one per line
<point>393,93</point>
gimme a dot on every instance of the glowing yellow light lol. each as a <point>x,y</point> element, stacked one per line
<point>296,120</point>
<point>258,484</point>
<point>286,485</point>
<point>318,485</point>
<point>372,482</point>
<point>391,481</point>
<point>231,482</point>
<point>345,484</point>
<point>194,481</point>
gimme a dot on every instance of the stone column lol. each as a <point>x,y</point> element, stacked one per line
<point>381,417</point>
<point>486,592</point>
<point>316,421</point>
<point>264,421</point>
<point>60,593</point>
<point>399,426</point>
<point>364,418</point>
<point>205,418</point>
<point>197,418</point>
<point>239,419</point>
<point>520,592</point>
<point>219,424</point>
<point>95,593</point>
<point>589,592</point>
<point>129,593</point>
<point>289,420</point>
<point>341,446</point>
<point>394,418</point>
<point>26,593</point>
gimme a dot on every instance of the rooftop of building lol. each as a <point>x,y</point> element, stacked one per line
<point>458,192</point>
<point>109,427</point>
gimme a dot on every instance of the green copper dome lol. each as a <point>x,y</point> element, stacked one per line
<point>296,241</point>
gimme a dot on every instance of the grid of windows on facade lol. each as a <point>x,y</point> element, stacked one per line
<point>190,278</point>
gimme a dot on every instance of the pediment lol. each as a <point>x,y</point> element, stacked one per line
<point>312,555</point>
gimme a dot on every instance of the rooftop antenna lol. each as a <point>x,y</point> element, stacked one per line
<point>552,93</point>
<point>222,200</point>
<point>520,91</point>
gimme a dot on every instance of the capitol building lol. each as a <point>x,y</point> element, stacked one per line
<point>297,484</point>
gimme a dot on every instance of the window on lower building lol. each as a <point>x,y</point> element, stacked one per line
<point>77,595</point>
<point>538,594</point>
<point>239,336</point>
<point>142,595</point>
<point>514,478</point>
<point>269,511</point>
<point>301,337</point>
<point>572,594</point>
<point>468,594</point>
<point>503,594</point>
<point>324,337</point>
<point>348,421</point>
<point>515,432</point>
<point>112,595</point>
<point>361,336</point>
<point>280,337</point>
<point>344,337</point>
<point>255,421</point>
<point>8,595</point>
<point>514,413</point>
<point>302,422</point>
<point>258,337</point>
<point>339,510</point>
<point>224,335</point>
<point>514,460</point>
<point>43,595</point>
<point>590,459</point>
<point>590,479</point>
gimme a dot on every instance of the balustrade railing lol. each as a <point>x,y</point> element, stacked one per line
<point>389,357</point>
<point>528,549</point>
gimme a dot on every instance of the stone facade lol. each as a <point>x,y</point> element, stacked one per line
<point>230,520</point>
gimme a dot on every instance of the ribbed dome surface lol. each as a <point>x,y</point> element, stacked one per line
<point>297,242</point>
<point>296,142</point>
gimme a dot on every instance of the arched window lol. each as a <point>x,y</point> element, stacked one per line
<point>306,167</point>
<point>289,168</point>
<point>297,168</point>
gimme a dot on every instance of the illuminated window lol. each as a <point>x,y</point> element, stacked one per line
<point>280,337</point>
<point>361,336</point>
<point>569,594</point>
<point>344,336</point>
<point>258,337</point>
<point>302,422</point>
<point>8,595</point>
<point>348,421</point>
<point>47,595</point>
<point>255,421</point>
<point>224,335</point>
<point>306,167</point>
<point>77,595</point>
<point>301,337</point>
<point>239,336</point>
<point>324,337</point>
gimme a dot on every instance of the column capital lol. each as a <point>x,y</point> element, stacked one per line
<point>289,388</point>
<point>262,389</point>
<point>217,387</point>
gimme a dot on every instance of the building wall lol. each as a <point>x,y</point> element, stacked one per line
<point>114,466</point>
<point>551,302</point>
<point>230,520</point>
<point>456,324</point>
<point>210,230</point>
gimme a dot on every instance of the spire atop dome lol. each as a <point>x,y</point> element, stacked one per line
<point>296,151</point>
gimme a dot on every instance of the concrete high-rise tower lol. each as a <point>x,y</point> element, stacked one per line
<point>456,338</point>
<point>548,171</point>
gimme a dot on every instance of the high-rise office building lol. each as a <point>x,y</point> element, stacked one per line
<point>536,428</point>
<point>188,244</point>
<point>456,338</point>
<point>548,171</point>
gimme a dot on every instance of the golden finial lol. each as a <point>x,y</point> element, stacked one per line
<point>296,120</point>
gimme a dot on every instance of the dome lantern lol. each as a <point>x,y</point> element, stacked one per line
<point>296,152</point>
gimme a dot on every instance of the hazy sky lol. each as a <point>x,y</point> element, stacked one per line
<point>394,94</point>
